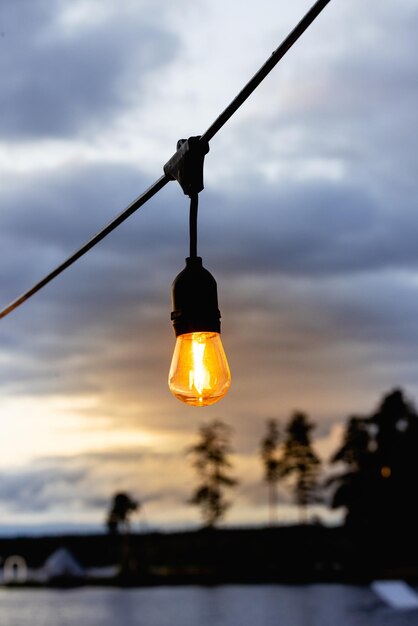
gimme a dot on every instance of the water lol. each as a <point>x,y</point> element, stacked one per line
<point>267,605</point>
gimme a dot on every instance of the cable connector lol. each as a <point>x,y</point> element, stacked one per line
<point>186,165</point>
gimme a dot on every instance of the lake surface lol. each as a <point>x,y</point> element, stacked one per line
<point>266,605</point>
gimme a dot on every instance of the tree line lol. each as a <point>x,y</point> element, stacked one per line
<point>372,476</point>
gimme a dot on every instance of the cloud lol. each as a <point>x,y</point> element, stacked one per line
<point>58,80</point>
<point>83,485</point>
<point>292,296</point>
<point>39,489</point>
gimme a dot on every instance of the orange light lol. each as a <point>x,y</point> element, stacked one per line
<point>386,472</point>
<point>199,373</point>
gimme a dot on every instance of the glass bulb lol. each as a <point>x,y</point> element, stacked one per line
<point>199,373</point>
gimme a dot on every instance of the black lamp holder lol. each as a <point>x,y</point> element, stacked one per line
<point>195,300</point>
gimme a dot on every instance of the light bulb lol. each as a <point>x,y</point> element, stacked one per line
<point>199,373</point>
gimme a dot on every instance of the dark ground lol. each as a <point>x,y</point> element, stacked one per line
<point>292,554</point>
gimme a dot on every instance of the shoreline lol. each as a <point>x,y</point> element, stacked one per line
<point>277,555</point>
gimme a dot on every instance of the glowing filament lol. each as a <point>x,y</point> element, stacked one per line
<point>199,376</point>
<point>199,373</point>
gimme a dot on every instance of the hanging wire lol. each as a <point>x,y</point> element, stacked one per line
<point>220,121</point>
<point>194,202</point>
<point>265,69</point>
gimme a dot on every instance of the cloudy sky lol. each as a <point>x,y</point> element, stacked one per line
<point>308,222</point>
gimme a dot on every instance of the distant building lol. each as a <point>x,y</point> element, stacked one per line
<point>15,570</point>
<point>61,565</point>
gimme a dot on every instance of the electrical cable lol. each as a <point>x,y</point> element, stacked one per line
<point>134,206</point>
<point>194,202</point>
<point>265,69</point>
<point>220,121</point>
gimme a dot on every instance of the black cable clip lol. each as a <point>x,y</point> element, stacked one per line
<point>186,165</point>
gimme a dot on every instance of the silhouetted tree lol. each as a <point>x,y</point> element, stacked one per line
<point>210,459</point>
<point>380,479</point>
<point>300,462</point>
<point>120,513</point>
<point>269,451</point>
<point>353,483</point>
<point>355,448</point>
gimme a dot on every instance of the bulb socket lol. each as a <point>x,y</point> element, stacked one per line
<point>195,300</point>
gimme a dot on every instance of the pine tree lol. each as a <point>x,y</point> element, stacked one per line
<point>210,459</point>
<point>300,462</point>
<point>378,483</point>
<point>354,482</point>
<point>120,513</point>
<point>269,452</point>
